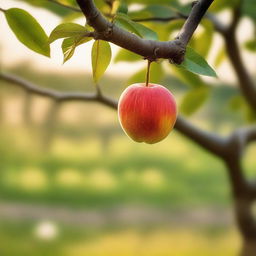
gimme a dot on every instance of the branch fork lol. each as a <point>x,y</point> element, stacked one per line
<point>174,50</point>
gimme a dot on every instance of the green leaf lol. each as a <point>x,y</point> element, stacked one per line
<point>52,7</point>
<point>66,30</point>
<point>250,45</point>
<point>123,8</point>
<point>69,45</point>
<point>196,64</point>
<point>156,75</point>
<point>125,55</point>
<point>187,77</point>
<point>101,56</point>
<point>203,41</point>
<point>71,17</point>
<point>218,6</point>
<point>248,9</point>
<point>145,32</point>
<point>125,22</point>
<point>28,31</point>
<point>126,26</point>
<point>193,100</point>
<point>162,11</point>
<point>154,10</point>
<point>175,25</point>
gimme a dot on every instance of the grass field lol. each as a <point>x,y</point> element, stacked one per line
<point>21,239</point>
<point>80,174</point>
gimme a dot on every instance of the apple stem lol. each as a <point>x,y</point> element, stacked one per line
<point>148,71</point>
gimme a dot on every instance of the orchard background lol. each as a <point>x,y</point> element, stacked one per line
<point>72,183</point>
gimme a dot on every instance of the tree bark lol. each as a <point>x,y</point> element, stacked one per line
<point>243,202</point>
<point>249,248</point>
<point>246,225</point>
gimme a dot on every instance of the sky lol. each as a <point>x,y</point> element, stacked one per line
<point>14,52</point>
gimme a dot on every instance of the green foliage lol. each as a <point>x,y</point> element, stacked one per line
<point>72,16</point>
<point>249,9</point>
<point>123,7</point>
<point>250,45</point>
<point>175,25</point>
<point>239,105</point>
<point>52,7</point>
<point>122,20</point>
<point>203,41</point>
<point>155,10</point>
<point>67,30</point>
<point>187,77</point>
<point>187,72</point>
<point>125,55</point>
<point>194,99</point>
<point>101,56</point>
<point>218,6</point>
<point>166,2</point>
<point>156,75</point>
<point>196,64</point>
<point>69,45</point>
<point>28,31</point>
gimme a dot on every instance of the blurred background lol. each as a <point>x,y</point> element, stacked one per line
<point>72,183</point>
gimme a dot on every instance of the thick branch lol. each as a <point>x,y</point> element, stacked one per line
<point>245,135</point>
<point>172,50</point>
<point>243,198</point>
<point>209,141</point>
<point>236,144</point>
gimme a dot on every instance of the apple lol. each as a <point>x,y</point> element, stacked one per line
<point>147,113</point>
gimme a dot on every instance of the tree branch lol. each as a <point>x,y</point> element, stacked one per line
<point>172,50</point>
<point>236,15</point>
<point>236,144</point>
<point>245,135</point>
<point>246,83</point>
<point>2,10</point>
<point>198,10</point>
<point>211,142</point>
<point>207,140</point>
<point>56,95</point>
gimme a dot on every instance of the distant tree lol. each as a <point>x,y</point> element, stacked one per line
<point>140,33</point>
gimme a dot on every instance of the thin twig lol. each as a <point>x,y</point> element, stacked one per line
<point>246,81</point>
<point>2,10</point>
<point>148,72</point>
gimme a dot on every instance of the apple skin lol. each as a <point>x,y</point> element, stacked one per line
<point>147,113</point>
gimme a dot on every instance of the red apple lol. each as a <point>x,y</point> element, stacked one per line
<point>147,113</point>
